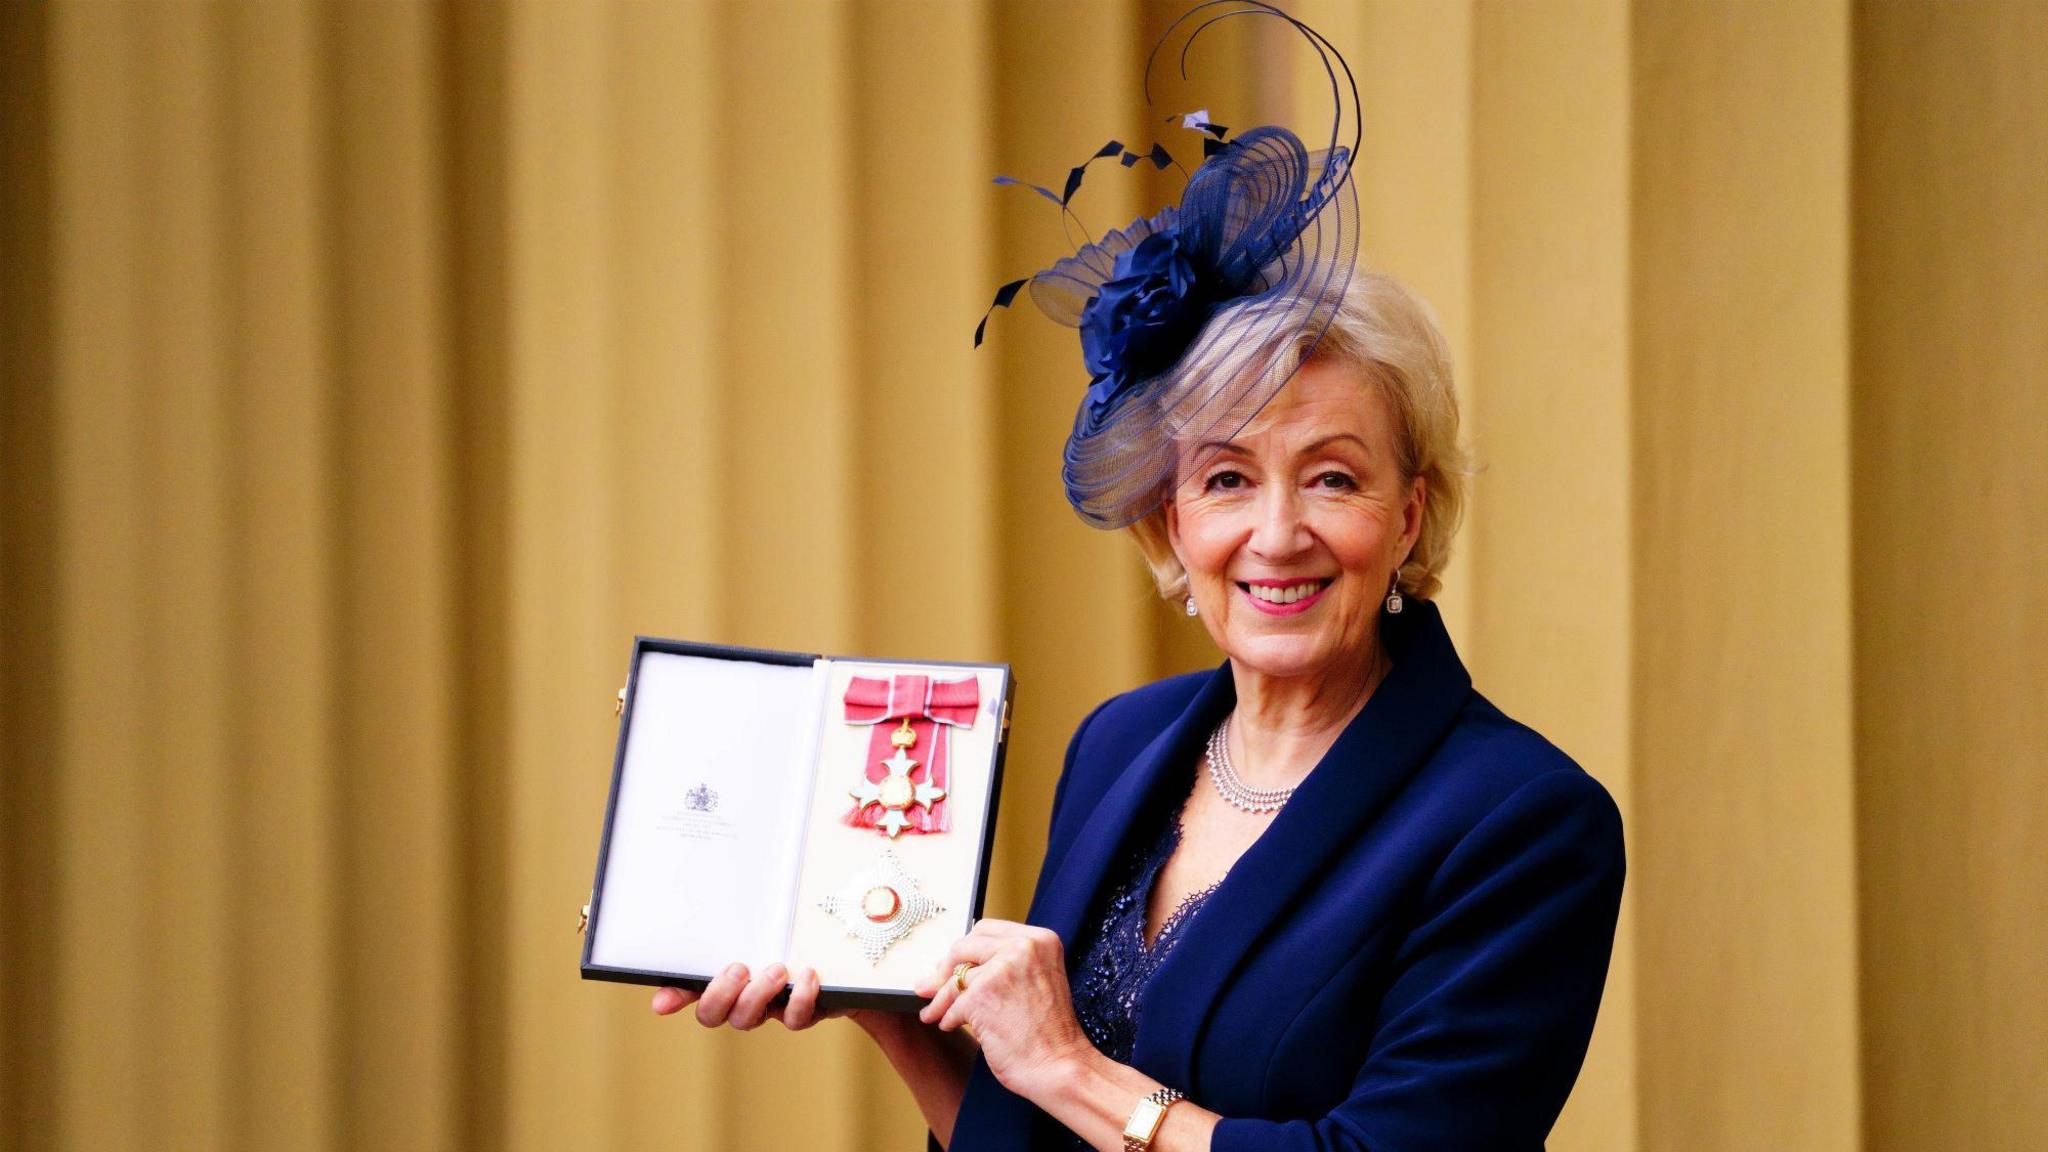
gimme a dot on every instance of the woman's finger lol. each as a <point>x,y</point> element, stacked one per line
<point>955,1015</point>
<point>802,1010</point>
<point>936,1006</point>
<point>669,1001</point>
<point>938,983</point>
<point>966,950</point>
<point>716,1003</point>
<point>983,932</point>
<point>752,1005</point>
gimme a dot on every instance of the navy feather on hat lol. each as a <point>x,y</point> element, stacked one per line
<point>1182,312</point>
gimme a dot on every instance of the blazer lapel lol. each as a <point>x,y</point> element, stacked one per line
<point>1374,755</point>
<point>1071,893</point>
<point>993,1119</point>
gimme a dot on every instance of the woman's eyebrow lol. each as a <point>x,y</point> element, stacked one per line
<point>1209,448</point>
<point>1326,441</point>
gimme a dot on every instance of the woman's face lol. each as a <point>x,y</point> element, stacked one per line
<point>1291,531</point>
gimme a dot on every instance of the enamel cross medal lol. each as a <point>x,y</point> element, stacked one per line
<point>896,793</point>
<point>906,782</point>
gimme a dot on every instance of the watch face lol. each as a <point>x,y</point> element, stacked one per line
<point>1144,1120</point>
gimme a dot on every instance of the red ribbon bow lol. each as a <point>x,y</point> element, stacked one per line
<point>934,708</point>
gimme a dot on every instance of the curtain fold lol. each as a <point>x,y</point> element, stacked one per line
<point>373,373</point>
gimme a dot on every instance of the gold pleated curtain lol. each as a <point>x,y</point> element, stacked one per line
<point>374,371</point>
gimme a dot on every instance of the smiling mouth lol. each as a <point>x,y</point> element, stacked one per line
<point>1283,595</point>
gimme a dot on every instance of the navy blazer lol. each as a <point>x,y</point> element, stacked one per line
<point>1409,957</point>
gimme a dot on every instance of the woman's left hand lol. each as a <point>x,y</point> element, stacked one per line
<point>1017,1004</point>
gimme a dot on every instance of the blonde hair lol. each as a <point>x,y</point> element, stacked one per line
<point>1391,338</point>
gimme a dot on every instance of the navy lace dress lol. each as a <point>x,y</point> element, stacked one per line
<point>1108,982</point>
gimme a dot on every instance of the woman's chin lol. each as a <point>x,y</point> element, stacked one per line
<point>1287,657</point>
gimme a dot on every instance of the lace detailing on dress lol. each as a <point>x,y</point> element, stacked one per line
<point>1110,981</point>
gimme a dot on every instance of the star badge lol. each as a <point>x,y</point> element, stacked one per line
<point>880,906</point>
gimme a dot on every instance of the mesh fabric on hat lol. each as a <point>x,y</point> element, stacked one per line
<point>1185,315</point>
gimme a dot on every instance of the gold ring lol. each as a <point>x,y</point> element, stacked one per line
<point>960,974</point>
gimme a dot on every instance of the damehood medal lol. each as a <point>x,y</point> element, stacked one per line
<point>881,905</point>
<point>897,791</point>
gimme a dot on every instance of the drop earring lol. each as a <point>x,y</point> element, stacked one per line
<point>1192,610</point>
<point>1394,594</point>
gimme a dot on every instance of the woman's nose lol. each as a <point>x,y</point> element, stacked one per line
<point>1280,532</point>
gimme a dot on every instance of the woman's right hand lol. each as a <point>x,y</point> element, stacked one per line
<point>743,1000</point>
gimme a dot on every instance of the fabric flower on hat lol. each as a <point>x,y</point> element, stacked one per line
<point>1180,313</point>
<point>1143,316</point>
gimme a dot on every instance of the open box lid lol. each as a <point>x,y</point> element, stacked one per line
<point>733,831</point>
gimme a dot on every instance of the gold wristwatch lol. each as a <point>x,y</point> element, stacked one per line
<point>1146,1118</point>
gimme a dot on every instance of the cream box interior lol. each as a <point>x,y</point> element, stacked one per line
<point>729,832</point>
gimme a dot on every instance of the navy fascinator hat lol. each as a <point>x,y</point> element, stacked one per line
<point>1184,313</point>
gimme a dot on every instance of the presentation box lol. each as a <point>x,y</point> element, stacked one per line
<point>829,812</point>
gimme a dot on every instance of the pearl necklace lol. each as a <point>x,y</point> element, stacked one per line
<point>1235,791</point>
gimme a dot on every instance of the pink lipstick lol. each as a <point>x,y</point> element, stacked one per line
<point>1283,597</point>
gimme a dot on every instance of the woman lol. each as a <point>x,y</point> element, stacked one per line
<point>1325,896</point>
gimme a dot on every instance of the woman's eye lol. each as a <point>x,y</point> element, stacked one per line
<point>1337,480</point>
<point>1226,480</point>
